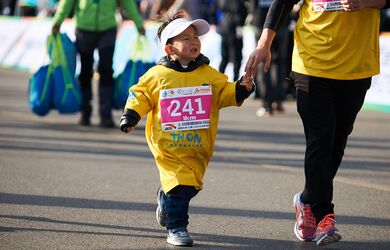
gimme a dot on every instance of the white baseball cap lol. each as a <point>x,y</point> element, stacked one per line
<point>179,25</point>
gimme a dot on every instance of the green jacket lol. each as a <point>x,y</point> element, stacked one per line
<point>96,15</point>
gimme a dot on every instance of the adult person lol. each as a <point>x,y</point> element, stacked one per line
<point>231,31</point>
<point>272,85</point>
<point>27,7</point>
<point>96,28</point>
<point>336,53</point>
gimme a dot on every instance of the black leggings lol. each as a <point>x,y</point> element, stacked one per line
<point>328,109</point>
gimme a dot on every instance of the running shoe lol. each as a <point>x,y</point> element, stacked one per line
<point>305,225</point>
<point>179,237</point>
<point>327,232</point>
<point>262,112</point>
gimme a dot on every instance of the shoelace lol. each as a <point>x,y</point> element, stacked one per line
<point>182,233</point>
<point>308,218</point>
<point>328,220</point>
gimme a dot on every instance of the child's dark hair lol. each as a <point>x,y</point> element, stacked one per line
<point>179,14</point>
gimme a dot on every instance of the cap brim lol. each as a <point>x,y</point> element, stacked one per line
<point>177,26</point>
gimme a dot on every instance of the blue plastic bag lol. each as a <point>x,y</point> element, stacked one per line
<point>66,91</point>
<point>132,72</point>
<point>69,49</point>
<point>139,62</point>
<point>41,91</point>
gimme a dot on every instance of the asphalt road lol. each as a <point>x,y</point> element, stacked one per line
<point>67,187</point>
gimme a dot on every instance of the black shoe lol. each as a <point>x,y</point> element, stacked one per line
<point>107,123</point>
<point>84,121</point>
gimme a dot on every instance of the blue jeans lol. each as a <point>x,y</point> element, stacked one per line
<point>175,203</point>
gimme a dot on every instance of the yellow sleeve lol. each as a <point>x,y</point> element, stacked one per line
<point>228,95</point>
<point>140,97</point>
<point>226,90</point>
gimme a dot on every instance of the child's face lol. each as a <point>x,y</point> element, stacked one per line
<point>186,46</point>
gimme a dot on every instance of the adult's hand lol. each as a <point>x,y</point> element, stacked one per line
<point>55,29</point>
<point>262,54</point>
<point>141,31</point>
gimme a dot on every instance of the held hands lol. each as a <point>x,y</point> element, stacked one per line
<point>247,82</point>
<point>128,130</point>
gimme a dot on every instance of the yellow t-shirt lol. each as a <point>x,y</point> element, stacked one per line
<point>181,153</point>
<point>336,44</point>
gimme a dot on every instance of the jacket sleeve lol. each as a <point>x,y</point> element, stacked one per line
<point>131,9</point>
<point>278,13</point>
<point>242,93</point>
<point>129,118</point>
<point>63,10</point>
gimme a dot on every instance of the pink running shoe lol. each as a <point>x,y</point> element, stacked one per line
<point>327,232</point>
<point>305,225</point>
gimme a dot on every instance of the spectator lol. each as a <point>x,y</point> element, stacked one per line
<point>96,28</point>
<point>160,9</point>
<point>8,7</point>
<point>27,7</point>
<point>230,28</point>
<point>272,83</point>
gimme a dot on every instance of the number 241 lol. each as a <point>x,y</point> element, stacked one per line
<point>187,107</point>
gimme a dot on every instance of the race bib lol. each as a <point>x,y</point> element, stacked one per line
<point>185,108</point>
<point>327,5</point>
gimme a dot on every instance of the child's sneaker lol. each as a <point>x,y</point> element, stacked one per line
<point>327,232</point>
<point>161,215</point>
<point>179,237</point>
<point>305,225</point>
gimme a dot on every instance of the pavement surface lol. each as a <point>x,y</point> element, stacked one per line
<point>63,186</point>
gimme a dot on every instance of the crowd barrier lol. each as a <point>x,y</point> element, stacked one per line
<point>23,47</point>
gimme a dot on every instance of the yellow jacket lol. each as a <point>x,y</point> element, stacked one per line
<point>182,154</point>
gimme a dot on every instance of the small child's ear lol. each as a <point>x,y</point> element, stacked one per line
<point>168,49</point>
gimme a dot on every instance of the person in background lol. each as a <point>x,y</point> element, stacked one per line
<point>230,28</point>
<point>332,72</point>
<point>160,9</point>
<point>385,20</point>
<point>182,96</point>
<point>8,7</point>
<point>272,83</point>
<point>27,7</point>
<point>96,28</point>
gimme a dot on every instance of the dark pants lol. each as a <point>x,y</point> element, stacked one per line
<point>175,203</point>
<point>328,109</point>
<point>274,83</point>
<point>231,51</point>
<point>104,42</point>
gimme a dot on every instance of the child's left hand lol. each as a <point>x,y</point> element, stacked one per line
<point>247,82</point>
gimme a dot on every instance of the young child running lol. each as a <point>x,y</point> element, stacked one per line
<point>182,96</point>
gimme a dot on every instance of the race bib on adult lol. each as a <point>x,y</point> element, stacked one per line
<point>185,108</point>
<point>327,5</point>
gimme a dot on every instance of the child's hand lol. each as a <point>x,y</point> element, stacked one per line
<point>128,130</point>
<point>247,82</point>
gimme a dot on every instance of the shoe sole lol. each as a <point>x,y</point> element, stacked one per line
<point>296,196</point>
<point>329,238</point>
<point>175,243</point>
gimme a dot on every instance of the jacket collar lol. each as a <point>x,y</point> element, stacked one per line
<point>175,65</point>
